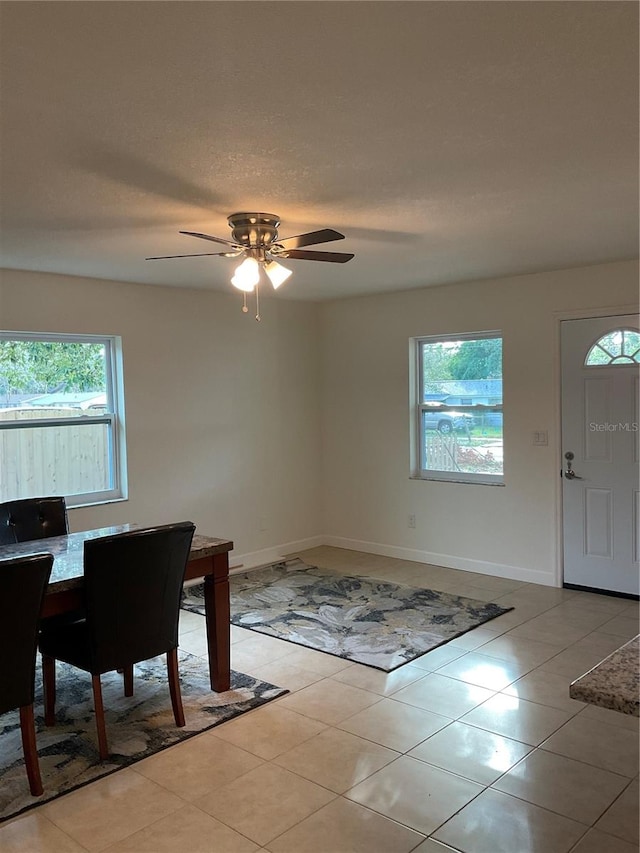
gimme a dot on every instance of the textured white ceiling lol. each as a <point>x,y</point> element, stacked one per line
<point>446,140</point>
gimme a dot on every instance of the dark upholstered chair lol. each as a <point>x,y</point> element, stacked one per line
<point>32,518</point>
<point>133,585</point>
<point>22,587</point>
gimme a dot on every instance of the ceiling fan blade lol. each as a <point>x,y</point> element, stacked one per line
<point>199,255</point>
<point>209,237</point>
<point>326,235</point>
<point>331,257</point>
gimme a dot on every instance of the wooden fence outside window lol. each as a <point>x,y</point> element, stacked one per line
<point>62,460</point>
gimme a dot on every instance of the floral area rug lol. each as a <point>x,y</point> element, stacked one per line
<point>379,624</point>
<point>137,726</point>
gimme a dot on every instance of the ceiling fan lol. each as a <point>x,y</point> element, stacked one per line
<point>255,236</point>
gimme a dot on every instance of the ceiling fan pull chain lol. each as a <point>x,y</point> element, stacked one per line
<point>258,317</point>
<point>244,300</point>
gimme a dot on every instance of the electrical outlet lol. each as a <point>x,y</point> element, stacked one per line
<point>411,521</point>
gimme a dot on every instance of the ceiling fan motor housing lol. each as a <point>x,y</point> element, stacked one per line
<point>256,236</point>
<point>254,230</point>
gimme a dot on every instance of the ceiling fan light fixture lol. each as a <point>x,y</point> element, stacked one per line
<point>247,275</point>
<point>277,273</point>
<point>255,235</point>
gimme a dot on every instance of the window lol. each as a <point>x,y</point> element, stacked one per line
<point>456,418</point>
<point>61,418</point>
<point>619,347</point>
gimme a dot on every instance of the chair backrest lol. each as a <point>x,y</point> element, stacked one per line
<point>133,586</point>
<point>32,518</point>
<point>23,582</point>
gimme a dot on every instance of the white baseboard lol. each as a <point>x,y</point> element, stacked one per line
<point>255,559</point>
<point>448,561</point>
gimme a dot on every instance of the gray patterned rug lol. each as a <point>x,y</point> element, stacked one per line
<point>136,727</point>
<point>379,624</point>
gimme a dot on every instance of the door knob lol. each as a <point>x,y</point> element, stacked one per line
<point>570,474</point>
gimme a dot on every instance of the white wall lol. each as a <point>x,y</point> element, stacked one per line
<point>301,424</point>
<point>222,413</point>
<point>510,530</point>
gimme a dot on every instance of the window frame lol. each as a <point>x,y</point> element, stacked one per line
<point>114,418</point>
<point>417,406</point>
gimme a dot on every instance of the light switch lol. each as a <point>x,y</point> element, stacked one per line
<point>540,438</point>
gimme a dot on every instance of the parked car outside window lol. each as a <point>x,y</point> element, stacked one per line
<point>447,422</point>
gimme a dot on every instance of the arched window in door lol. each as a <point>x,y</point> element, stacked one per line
<point>619,347</point>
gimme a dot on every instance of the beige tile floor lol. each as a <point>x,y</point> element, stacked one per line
<point>475,747</point>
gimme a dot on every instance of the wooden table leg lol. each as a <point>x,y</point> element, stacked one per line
<point>216,602</point>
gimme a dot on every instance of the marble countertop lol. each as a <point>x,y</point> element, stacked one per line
<point>614,682</point>
<point>68,551</point>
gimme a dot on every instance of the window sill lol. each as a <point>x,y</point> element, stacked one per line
<point>459,481</point>
<point>98,502</point>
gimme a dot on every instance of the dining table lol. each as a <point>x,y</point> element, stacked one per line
<point>208,559</point>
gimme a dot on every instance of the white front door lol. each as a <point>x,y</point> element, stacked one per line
<point>600,491</point>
